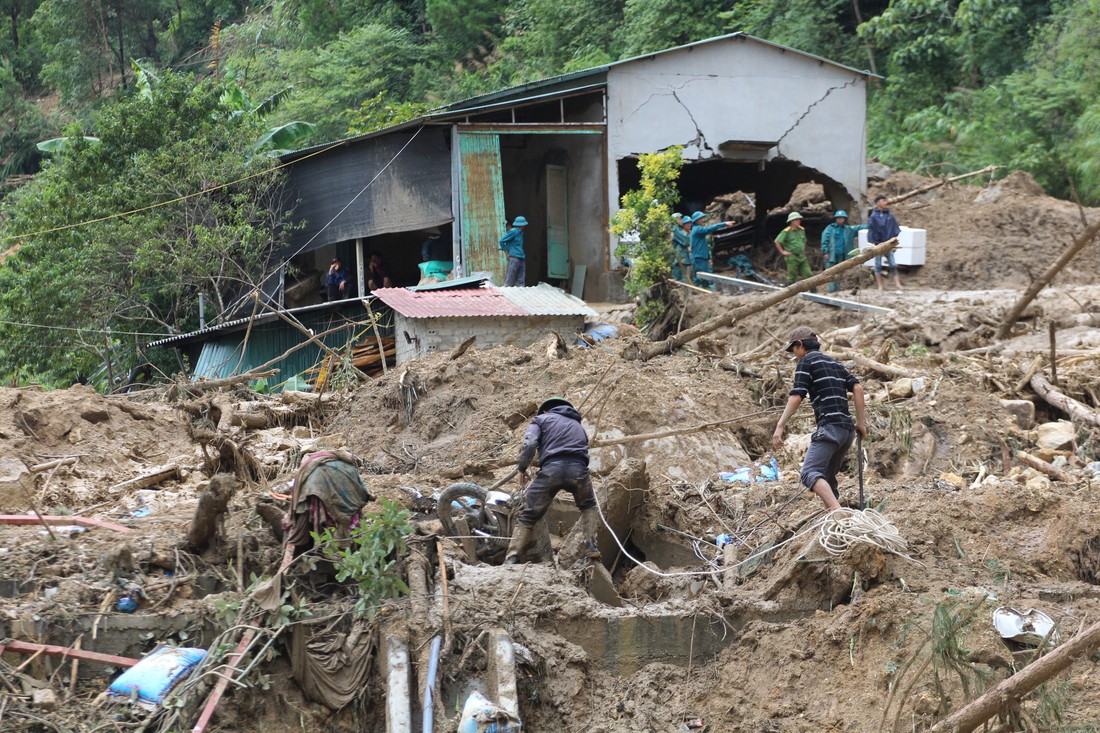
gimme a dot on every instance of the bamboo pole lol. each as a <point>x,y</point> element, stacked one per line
<point>726,319</point>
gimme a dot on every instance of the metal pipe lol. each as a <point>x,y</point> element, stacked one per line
<point>433,666</point>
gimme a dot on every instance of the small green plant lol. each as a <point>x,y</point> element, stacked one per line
<point>644,224</point>
<point>916,349</point>
<point>369,556</point>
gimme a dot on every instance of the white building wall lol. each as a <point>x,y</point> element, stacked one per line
<point>418,336</point>
<point>739,89</point>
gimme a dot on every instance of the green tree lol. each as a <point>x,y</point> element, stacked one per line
<point>644,225</point>
<point>651,25</point>
<point>141,273</point>
<point>466,27</point>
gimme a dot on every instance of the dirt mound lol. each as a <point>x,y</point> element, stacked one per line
<point>998,236</point>
<point>112,440</point>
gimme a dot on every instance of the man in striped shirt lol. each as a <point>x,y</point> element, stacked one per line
<point>827,383</point>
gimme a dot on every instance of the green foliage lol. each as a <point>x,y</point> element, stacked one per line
<point>465,27</point>
<point>139,275</point>
<point>650,25</point>
<point>825,28</point>
<point>377,113</point>
<point>645,222</point>
<point>370,557</point>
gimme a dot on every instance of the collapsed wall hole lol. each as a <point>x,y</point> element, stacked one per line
<point>769,183</point>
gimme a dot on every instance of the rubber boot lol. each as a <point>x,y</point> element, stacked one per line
<point>590,524</point>
<point>521,537</point>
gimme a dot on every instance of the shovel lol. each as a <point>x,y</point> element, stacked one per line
<point>859,463</point>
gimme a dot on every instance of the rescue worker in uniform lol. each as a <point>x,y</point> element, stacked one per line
<point>838,239</point>
<point>556,434</point>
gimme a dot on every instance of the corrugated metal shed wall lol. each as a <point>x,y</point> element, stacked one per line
<point>220,355</point>
<point>482,204</point>
<point>413,192</point>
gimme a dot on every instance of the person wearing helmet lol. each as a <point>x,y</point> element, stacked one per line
<point>827,383</point>
<point>558,437</point>
<point>791,243</point>
<point>700,247</point>
<point>681,241</point>
<point>512,245</point>
<point>837,241</point>
<point>882,226</point>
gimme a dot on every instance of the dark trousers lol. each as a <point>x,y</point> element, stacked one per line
<point>571,476</point>
<point>828,446</point>
<point>516,273</point>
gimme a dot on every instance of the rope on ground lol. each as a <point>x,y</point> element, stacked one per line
<point>837,532</point>
<point>843,528</point>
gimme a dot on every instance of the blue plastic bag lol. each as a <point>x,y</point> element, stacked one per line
<point>753,474</point>
<point>155,675</point>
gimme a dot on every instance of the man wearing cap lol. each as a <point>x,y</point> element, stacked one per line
<point>791,243</point>
<point>336,284</point>
<point>837,241</point>
<point>882,227</point>
<point>512,245</point>
<point>700,247</point>
<point>562,445</point>
<point>827,383</point>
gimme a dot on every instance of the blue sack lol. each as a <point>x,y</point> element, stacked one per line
<point>155,675</point>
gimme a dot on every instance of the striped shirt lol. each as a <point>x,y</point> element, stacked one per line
<point>827,383</point>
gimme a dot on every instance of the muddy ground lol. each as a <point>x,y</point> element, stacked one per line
<point>771,635</point>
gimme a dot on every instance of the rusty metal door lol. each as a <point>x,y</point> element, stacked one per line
<point>482,213</point>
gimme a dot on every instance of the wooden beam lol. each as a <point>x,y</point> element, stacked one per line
<point>727,319</point>
<point>51,650</point>
<point>1040,465</point>
<point>55,520</point>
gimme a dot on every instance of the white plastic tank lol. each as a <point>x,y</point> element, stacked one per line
<point>910,251</point>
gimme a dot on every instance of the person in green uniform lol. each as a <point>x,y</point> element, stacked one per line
<point>791,243</point>
<point>700,248</point>
<point>681,237</point>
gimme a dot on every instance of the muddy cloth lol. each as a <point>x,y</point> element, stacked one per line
<point>328,492</point>
<point>555,434</point>
<point>561,475</point>
<point>331,661</point>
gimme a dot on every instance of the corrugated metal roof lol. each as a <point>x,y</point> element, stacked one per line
<point>448,303</point>
<point>546,300</point>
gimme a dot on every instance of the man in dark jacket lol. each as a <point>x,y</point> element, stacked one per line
<point>827,383</point>
<point>336,284</point>
<point>562,445</point>
<point>882,226</point>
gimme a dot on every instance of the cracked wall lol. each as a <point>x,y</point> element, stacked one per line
<point>741,90</point>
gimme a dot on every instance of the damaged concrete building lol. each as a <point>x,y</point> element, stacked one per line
<point>752,116</point>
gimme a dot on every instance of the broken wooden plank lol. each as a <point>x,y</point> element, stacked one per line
<point>52,650</point>
<point>144,481</point>
<point>223,682</point>
<point>710,325</point>
<point>1011,691</point>
<point>812,297</point>
<point>55,520</point>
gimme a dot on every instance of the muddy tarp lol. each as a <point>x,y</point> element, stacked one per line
<point>330,660</point>
<point>328,492</point>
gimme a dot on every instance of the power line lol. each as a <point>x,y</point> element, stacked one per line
<point>101,331</point>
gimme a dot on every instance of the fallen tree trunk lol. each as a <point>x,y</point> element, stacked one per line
<point>1012,690</point>
<point>1044,279</point>
<point>1040,465</point>
<point>1074,408</point>
<point>875,366</point>
<point>677,340</point>
<point>194,389</point>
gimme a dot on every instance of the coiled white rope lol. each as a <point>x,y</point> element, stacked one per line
<point>843,528</point>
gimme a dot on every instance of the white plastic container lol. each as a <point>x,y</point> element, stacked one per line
<point>911,247</point>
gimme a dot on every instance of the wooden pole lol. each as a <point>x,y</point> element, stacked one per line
<point>1044,279</point>
<point>867,362</point>
<point>1053,355</point>
<point>941,182</point>
<point>1040,465</point>
<point>597,443</point>
<point>313,339</point>
<point>377,335</point>
<point>1012,690</point>
<point>726,319</point>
